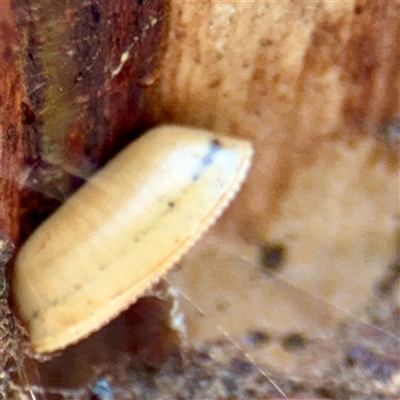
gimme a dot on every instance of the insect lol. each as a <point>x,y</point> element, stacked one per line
<point>130,223</point>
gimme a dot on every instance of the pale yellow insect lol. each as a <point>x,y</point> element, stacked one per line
<point>123,230</point>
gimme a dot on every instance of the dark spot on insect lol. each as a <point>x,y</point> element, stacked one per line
<point>28,116</point>
<point>141,2</point>
<point>102,267</point>
<point>171,204</point>
<point>272,257</point>
<point>206,161</point>
<point>216,143</point>
<point>293,341</point>
<point>35,314</point>
<point>77,287</point>
<point>259,337</point>
<point>96,13</point>
<point>240,366</point>
<point>54,303</point>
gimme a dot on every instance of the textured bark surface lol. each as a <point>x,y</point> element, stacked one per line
<point>11,155</point>
<point>85,65</point>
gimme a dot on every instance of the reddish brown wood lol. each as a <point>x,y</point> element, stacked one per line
<point>11,92</point>
<point>73,77</point>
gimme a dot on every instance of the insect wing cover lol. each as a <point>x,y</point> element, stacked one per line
<point>118,234</point>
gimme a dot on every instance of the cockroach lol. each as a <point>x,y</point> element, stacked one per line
<point>119,234</point>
